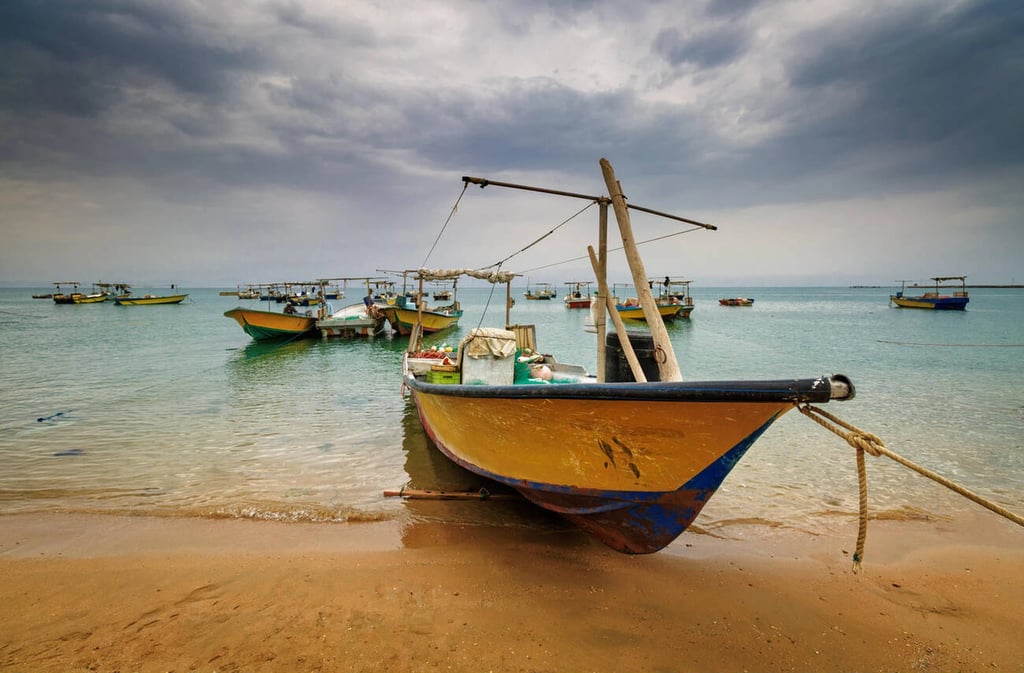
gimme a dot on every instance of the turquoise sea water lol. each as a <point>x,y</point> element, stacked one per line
<point>174,411</point>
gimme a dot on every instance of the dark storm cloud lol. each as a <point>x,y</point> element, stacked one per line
<point>941,88</point>
<point>712,106</point>
<point>895,101</point>
<point>91,49</point>
<point>731,8</point>
<point>707,49</point>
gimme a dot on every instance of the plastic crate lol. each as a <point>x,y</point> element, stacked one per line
<point>443,377</point>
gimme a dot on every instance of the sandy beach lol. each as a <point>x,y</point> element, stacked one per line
<point>108,593</point>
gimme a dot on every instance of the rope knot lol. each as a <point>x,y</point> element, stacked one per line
<point>865,441</point>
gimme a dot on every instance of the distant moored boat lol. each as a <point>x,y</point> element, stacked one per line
<point>954,301</point>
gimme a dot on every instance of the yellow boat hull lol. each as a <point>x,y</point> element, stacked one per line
<point>402,320</point>
<point>271,326</point>
<point>148,301</point>
<point>632,463</point>
<point>667,311</point>
<point>956,302</point>
<point>88,298</point>
<point>608,445</point>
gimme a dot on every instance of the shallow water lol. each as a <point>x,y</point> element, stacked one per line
<point>174,411</point>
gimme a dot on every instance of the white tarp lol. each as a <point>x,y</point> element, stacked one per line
<point>484,342</point>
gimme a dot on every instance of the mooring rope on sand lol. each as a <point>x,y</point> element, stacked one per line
<point>865,441</point>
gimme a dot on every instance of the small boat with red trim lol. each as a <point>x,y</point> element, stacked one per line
<point>736,301</point>
<point>579,294</point>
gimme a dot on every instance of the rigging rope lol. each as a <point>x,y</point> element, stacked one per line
<point>865,441</point>
<point>455,207</point>
<point>490,295</point>
<point>577,259</point>
<point>558,226</point>
<point>915,343</point>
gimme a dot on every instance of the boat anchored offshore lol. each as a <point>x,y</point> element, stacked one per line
<point>956,300</point>
<point>578,295</point>
<point>545,293</point>
<point>669,305</point>
<point>149,299</point>
<point>632,462</point>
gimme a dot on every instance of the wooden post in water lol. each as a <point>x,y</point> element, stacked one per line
<point>668,367</point>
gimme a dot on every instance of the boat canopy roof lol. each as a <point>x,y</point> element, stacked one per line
<point>450,274</point>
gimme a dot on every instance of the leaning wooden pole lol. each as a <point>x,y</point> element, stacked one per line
<point>668,367</point>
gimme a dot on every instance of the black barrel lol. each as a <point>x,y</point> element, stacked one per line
<point>616,367</point>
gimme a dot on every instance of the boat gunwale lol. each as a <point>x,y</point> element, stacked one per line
<point>782,390</point>
<point>139,301</point>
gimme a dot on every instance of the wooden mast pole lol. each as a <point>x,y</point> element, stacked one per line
<point>668,367</point>
<point>601,272</point>
<point>508,303</point>
<point>620,327</point>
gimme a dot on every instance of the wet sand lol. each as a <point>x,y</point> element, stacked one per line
<point>106,593</point>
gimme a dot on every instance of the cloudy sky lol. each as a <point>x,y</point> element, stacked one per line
<point>215,143</point>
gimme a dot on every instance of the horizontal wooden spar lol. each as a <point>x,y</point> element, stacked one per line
<point>426,494</point>
<point>484,182</point>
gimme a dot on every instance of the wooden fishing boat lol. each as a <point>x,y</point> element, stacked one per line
<point>74,296</point>
<point>250,292</point>
<point>442,293</point>
<point>309,295</point>
<point>942,298</point>
<point>150,300</point>
<point>355,320</point>
<point>631,309</point>
<point>579,294</point>
<point>633,463</point>
<point>736,301</point>
<point>97,296</point>
<point>545,293</point>
<point>403,317</point>
<point>410,308</point>
<point>92,298</point>
<point>676,291</point>
<point>669,307</point>
<point>60,296</point>
<point>332,292</point>
<point>271,325</point>
<point>113,290</point>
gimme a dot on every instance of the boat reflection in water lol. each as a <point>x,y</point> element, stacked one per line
<point>442,499</point>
